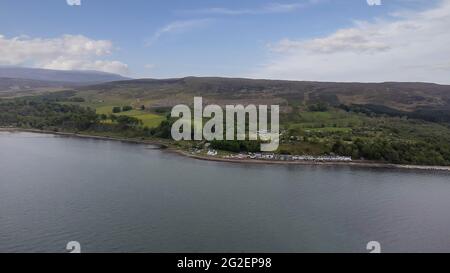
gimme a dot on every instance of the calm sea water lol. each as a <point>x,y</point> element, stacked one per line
<point>119,197</point>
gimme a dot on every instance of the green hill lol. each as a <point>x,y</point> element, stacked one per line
<point>405,123</point>
<point>389,98</point>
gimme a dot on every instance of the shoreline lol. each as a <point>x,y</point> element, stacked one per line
<point>162,145</point>
<point>127,140</point>
<point>362,164</point>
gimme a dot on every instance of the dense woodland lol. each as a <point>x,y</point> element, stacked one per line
<point>54,116</point>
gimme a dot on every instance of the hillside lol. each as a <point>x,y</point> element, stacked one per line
<point>390,98</point>
<point>403,123</point>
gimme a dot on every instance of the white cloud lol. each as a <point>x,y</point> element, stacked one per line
<point>65,52</point>
<point>178,26</point>
<point>73,2</point>
<point>267,9</point>
<point>342,40</point>
<point>412,46</point>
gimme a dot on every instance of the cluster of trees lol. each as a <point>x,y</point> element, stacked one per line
<point>50,115</point>
<point>236,145</point>
<point>118,109</point>
<point>126,122</point>
<point>45,115</point>
<point>318,107</point>
<point>164,129</point>
<point>76,99</point>
<point>417,152</point>
<point>427,114</point>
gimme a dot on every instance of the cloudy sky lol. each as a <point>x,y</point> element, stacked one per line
<point>324,40</point>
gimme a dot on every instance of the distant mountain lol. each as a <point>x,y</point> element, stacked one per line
<point>69,76</point>
<point>13,85</point>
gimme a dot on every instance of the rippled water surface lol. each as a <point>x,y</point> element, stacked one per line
<point>119,197</point>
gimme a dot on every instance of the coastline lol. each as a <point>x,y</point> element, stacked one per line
<point>162,145</point>
<point>128,140</point>
<point>363,164</point>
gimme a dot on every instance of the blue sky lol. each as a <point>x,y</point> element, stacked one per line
<point>246,38</point>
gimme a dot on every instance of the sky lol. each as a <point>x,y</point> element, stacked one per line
<point>321,40</point>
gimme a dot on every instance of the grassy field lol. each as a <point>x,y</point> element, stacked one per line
<point>150,120</point>
<point>333,121</point>
<point>105,104</point>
